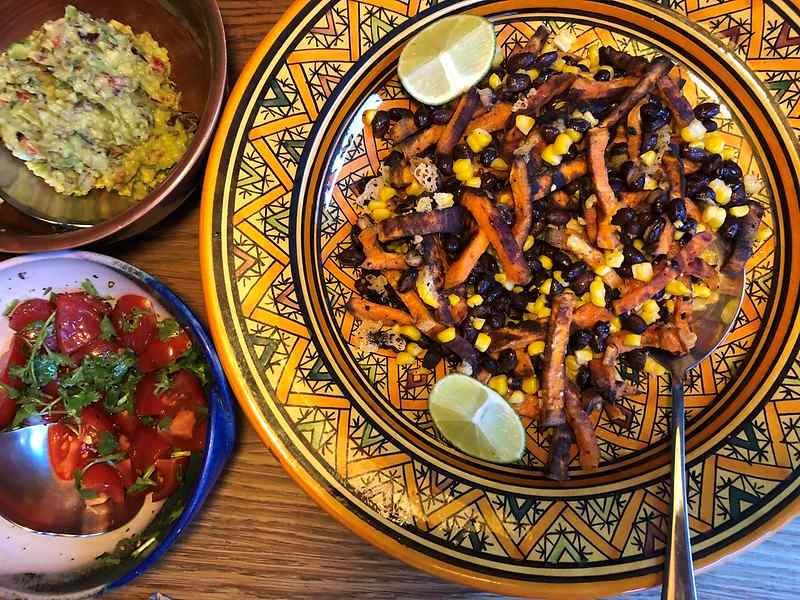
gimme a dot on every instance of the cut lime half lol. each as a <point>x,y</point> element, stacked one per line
<point>476,419</point>
<point>446,58</point>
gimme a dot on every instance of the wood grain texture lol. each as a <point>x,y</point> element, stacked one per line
<point>262,537</point>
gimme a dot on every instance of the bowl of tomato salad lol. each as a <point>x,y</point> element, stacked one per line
<point>139,416</point>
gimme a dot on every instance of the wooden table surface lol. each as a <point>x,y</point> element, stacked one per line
<point>260,536</point>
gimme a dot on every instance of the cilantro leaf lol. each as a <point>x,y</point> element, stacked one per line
<point>46,366</point>
<point>84,493</point>
<point>164,382</point>
<point>88,287</point>
<point>143,482</point>
<point>165,423</point>
<point>10,308</point>
<point>107,331</point>
<point>75,403</point>
<point>28,372</point>
<point>132,320</point>
<point>24,412</point>
<point>167,329</point>
<point>106,444</point>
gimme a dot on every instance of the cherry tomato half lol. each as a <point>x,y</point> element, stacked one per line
<point>167,469</point>
<point>94,422</point>
<point>65,451</point>
<point>29,312</point>
<point>125,468</point>
<point>16,356</point>
<point>198,440</point>
<point>96,348</point>
<point>185,392</point>
<point>135,321</point>
<point>78,317</point>
<point>125,422</point>
<point>105,480</point>
<point>8,408</point>
<point>148,447</point>
<point>160,354</point>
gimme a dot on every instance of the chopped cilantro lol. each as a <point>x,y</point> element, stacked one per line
<point>191,361</point>
<point>107,331</point>
<point>132,320</point>
<point>164,382</point>
<point>148,421</point>
<point>88,287</point>
<point>165,423</point>
<point>143,482</point>
<point>28,372</point>
<point>10,308</point>
<point>167,329</point>
<point>106,444</point>
<point>75,403</point>
<point>85,494</point>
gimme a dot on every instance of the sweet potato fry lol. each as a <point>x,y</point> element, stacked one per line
<point>743,242</point>
<point>651,74</point>
<point>669,338</point>
<point>377,259</point>
<point>446,220</point>
<point>587,89</point>
<point>699,268</point>
<point>422,140</point>
<point>632,199</point>
<point>521,191</point>
<point>693,248</point>
<point>675,100</point>
<point>565,174</point>
<point>516,338</point>
<point>632,65</point>
<point>562,199</point>
<point>554,376</point>
<point>607,204</point>
<point>673,167</point>
<point>457,125</point>
<point>434,269</point>
<point>634,131</point>
<point>560,443</point>
<point>500,237</point>
<point>524,367</point>
<point>536,42</point>
<point>555,86</point>
<point>582,429</point>
<point>589,315</point>
<point>662,275</point>
<point>461,268</point>
<point>400,130</point>
<point>590,216</point>
<point>494,119</point>
<point>665,240</point>
<point>530,407</point>
<point>372,311</point>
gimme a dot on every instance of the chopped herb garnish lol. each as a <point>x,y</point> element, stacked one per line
<point>85,494</point>
<point>192,361</point>
<point>143,482</point>
<point>164,382</point>
<point>132,320</point>
<point>75,403</point>
<point>28,372</point>
<point>148,421</point>
<point>107,331</point>
<point>10,308</point>
<point>88,287</point>
<point>107,444</point>
<point>168,328</point>
<point>165,423</point>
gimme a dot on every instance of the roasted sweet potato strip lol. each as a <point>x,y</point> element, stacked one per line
<point>530,407</point>
<point>743,242</point>
<point>555,86</point>
<point>592,257</point>
<point>693,248</point>
<point>400,130</point>
<point>582,429</point>
<point>670,338</point>
<point>372,311</point>
<point>632,199</point>
<point>466,261</point>
<point>500,237</point>
<point>446,220</point>
<point>516,338</point>
<point>521,191</point>
<point>665,240</point>
<point>524,366</point>
<point>377,259</point>
<point>589,315</point>
<point>650,75</point>
<point>561,199</point>
<point>590,216</point>
<point>632,65</point>
<point>671,94</point>
<point>634,131</point>
<point>536,42</point>
<point>493,120</point>
<point>606,200</point>
<point>554,375</point>
<point>457,124</point>
<point>662,275</point>
<point>421,141</point>
<point>699,268</point>
<point>560,443</point>
<point>435,267</point>
<point>587,89</point>
<point>673,167</point>
<point>565,174</point>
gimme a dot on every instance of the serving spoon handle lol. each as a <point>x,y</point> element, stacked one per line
<point>679,575</point>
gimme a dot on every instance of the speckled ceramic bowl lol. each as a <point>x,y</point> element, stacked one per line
<point>51,566</point>
<point>33,217</point>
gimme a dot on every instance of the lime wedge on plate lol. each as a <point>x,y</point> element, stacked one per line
<point>476,419</point>
<point>446,58</point>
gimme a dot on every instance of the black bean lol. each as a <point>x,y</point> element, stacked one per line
<point>546,59</point>
<point>574,270</point>
<point>729,172</point>
<point>600,331</point>
<point>469,333</point>
<point>422,118</point>
<point>631,256</point>
<point>490,364</point>
<point>695,182</point>
<point>649,142</point>
<point>538,211</point>
<point>624,271</point>
<point>633,323</point>
<point>555,288</point>
<point>445,163</point>
<point>488,156</point>
<point>483,285</point>
<point>580,339</point>
<point>617,184</point>
<point>462,151</point>
<point>653,231</point>
<point>352,256</point>
<point>633,229</point>
<point>507,361</point>
<point>522,60</point>
<point>518,82</point>
<point>380,123</point>
<point>506,212</point>
<point>508,95</point>
<point>557,216</point>
<point>710,125</point>
<point>452,186</point>
<point>490,183</point>
<point>579,125</point>
<point>580,285</point>
<point>451,243</point>
<point>407,281</point>
<point>441,115</point>
<point>729,229</point>
<point>635,359</point>
<point>495,321</point>
<point>561,260</point>
<point>602,75</point>
<point>624,215</point>
<point>544,75</point>
<point>689,226</point>
<point>550,133</point>
<point>582,377</point>
<point>520,301</point>
<point>431,359</point>
<point>706,110</point>
<point>705,194</point>
<point>738,195</point>
<point>487,263</point>
<point>677,210</point>
<point>539,277</point>
<point>395,114</point>
<point>694,154</point>
<point>654,125</point>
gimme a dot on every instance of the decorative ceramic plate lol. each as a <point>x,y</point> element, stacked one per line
<point>352,427</point>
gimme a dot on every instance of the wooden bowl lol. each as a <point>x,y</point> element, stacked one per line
<point>193,33</point>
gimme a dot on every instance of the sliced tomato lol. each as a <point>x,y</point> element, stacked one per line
<point>160,354</point>
<point>29,312</point>
<point>78,317</point>
<point>135,321</point>
<point>125,468</point>
<point>96,348</point>
<point>148,447</point>
<point>125,422</point>
<point>182,425</point>
<point>198,440</point>
<point>185,392</point>
<point>8,408</point>
<point>167,469</point>
<point>104,480</point>
<point>16,356</point>
<point>94,422</point>
<point>65,451</point>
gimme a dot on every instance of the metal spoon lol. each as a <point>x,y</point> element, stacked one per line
<point>32,496</point>
<point>711,329</point>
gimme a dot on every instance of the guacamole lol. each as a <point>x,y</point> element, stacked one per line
<point>88,104</point>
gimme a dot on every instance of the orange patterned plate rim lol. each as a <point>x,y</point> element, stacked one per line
<point>266,206</point>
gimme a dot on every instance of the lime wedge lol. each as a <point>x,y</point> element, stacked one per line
<point>476,419</point>
<point>446,58</point>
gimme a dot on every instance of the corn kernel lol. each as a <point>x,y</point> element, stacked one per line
<point>410,332</point>
<point>533,73</point>
<point>518,289</point>
<point>650,312</point>
<point>763,233</point>
<point>558,64</point>
<point>677,288</point>
<point>562,143</point>
<point>729,312</point>
<point>653,367</point>
<point>530,385</point>
<point>677,235</point>
<point>369,115</point>
<point>516,397</point>
<point>415,189</point>
<point>478,322</point>
<point>594,55</point>
<point>479,139</point>
<point>642,271</point>
<point>386,193</point>
<point>550,156</point>
<point>376,204</point>
<point>524,123</point>
<point>529,241</point>
<point>573,135</point>
<point>649,158</point>
<point>542,310</point>
<point>414,350</point>
<point>714,142</point>
<point>729,153</point>
<point>722,191</point>
<point>700,228</point>
<point>482,342</point>
<point>505,198</point>
<point>583,355</point>
<point>693,132</point>
<point>499,383</point>
<point>446,335</point>
<point>714,217</point>
<point>670,304</point>
<point>559,278</point>
<point>494,81</point>
<point>474,300</point>
<point>602,270</point>
<point>571,366</point>
<point>500,278</point>
<point>699,145</point>
<point>700,290</point>
<point>546,261</point>
<point>739,211</point>
<point>615,325</point>
<point>462,169</point>
<point>638,244</point>
<point>499,164</point>
<point>649,183</point>
<point>614,258</point>
<point>588,116</point>
<point>578,245</point>
<point>632,339</point>
<point>546,287</point>
<point>536,348</point>
<point>474,182</point>
<point>597,292</point>
<point>405,358</point>
<point>454,299</point>
<point>381,214</point>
